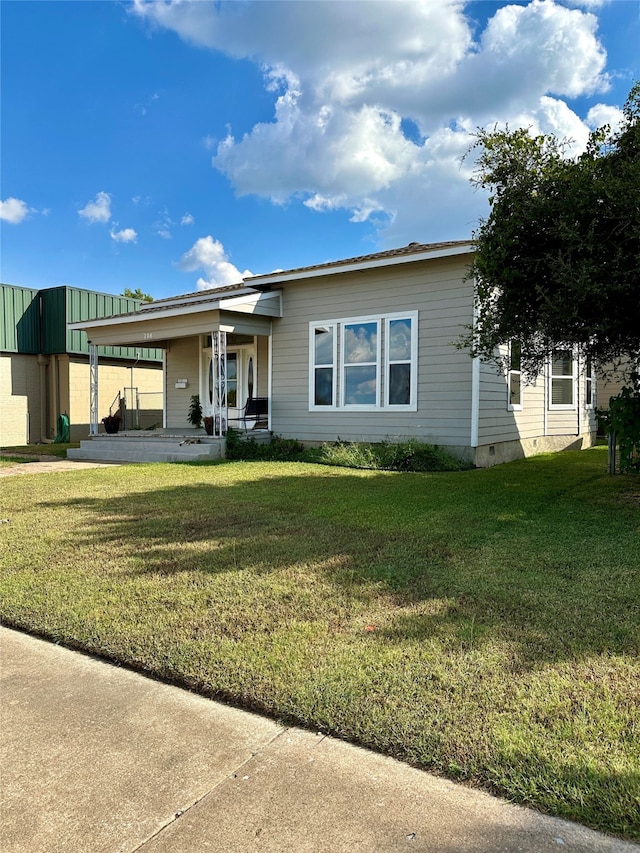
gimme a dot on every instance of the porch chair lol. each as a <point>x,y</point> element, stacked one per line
<point>256,409</point>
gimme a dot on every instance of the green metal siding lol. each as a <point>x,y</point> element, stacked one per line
<point>53,323</point>
<point>35,321</point>
<point>19,320</point>
<point>88,305</point>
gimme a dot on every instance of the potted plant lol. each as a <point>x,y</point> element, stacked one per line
<point>208,424</point>
<point>195,411</point>
<point>111,423</point>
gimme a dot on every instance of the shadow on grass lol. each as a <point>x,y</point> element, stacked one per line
<point>524,556</point>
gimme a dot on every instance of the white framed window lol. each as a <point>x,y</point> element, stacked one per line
<point>589,385</point>
<point>364,363</point>
<point>401,356</point>
<point>514,377</point>
<point>562,380</point>
<point>323,351</point>
<point>361,363</point>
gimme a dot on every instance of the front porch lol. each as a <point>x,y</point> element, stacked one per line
<point>217,352</point>
<point>159,445</point>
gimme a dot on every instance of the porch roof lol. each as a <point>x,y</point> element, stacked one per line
<point>238,309</point>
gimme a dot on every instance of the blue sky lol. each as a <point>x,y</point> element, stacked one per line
<point>173,146</point>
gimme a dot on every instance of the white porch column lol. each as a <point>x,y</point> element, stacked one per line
<point>93,389</point>
<point>219,353</point>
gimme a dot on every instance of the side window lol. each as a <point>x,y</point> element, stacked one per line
<point>323,362</point>
<point>515,377</point>
<point>589,396</point>
<point>401,352</point>
<point>562,392</point>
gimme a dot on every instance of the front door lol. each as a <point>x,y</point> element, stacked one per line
<point>240,380</point>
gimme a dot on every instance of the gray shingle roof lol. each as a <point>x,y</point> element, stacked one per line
<point>410,249</point>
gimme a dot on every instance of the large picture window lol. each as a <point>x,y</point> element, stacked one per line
<point>364,363</point>
<point>360,342</point>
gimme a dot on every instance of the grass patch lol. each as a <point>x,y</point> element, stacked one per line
<point>483,625</point>
<point>32,452</point>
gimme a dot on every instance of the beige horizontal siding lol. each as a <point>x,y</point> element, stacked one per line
<point>444,302</point>
<point>183,362</point>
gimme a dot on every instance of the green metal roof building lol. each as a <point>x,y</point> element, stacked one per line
<point>42,362</point>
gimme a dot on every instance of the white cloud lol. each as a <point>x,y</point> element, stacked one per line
<point>187,219</point>
<point>209,255</point>
<point>98,210</point>
<point>337,138</point>
<point>602,114</point>
<point>13,210</point>
<point>126,235</point>
<point>163,225</point>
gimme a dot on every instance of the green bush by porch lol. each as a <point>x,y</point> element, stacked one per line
<point>481,624</point>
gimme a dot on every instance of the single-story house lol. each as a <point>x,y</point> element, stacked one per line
<point>45,371</point>
<point>362,349</point>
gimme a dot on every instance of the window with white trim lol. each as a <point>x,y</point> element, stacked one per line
<point>364,363</point>
<point>361,363</point>
<point>589,387</point>
<point>514,377</point>
<point>562,390</point>
<point>323,364</point>
<point>401,352</point>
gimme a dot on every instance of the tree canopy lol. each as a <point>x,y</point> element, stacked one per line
<point>137,294</point>
<point>557,260</point>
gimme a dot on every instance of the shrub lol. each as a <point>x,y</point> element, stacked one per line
<point>622,420</point>
<point>409,455</point>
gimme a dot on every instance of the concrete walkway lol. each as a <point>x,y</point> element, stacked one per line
<point>96,758</point>
<point>47,465</point>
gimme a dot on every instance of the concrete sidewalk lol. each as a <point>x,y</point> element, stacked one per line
<point>97,758</point>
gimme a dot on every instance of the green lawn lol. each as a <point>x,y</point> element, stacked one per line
<point>32,453</point>
<point>484,624</point>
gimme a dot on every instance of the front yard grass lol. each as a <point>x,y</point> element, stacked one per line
<point>32,453</point>
<point>484,625</point>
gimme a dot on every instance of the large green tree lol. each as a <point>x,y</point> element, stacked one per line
<point>558,259</point>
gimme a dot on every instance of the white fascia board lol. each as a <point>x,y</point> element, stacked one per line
<point>195,306</point>
<point>127,319</point>
<point>193,299</point>
<point>250,303</point>
<point>466,249</point>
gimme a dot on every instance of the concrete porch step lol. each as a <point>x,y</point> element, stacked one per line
<point>156,449</point>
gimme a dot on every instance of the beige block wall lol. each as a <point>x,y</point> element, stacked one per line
<point>19,399</point>
<point>112,378</point>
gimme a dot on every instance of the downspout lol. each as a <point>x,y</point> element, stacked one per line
<point>475,401</point>
<point>269,374</point>
<point>164,388</point>
<point>475,384</point>
<point>545,398</point>
<point>577,381</point>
